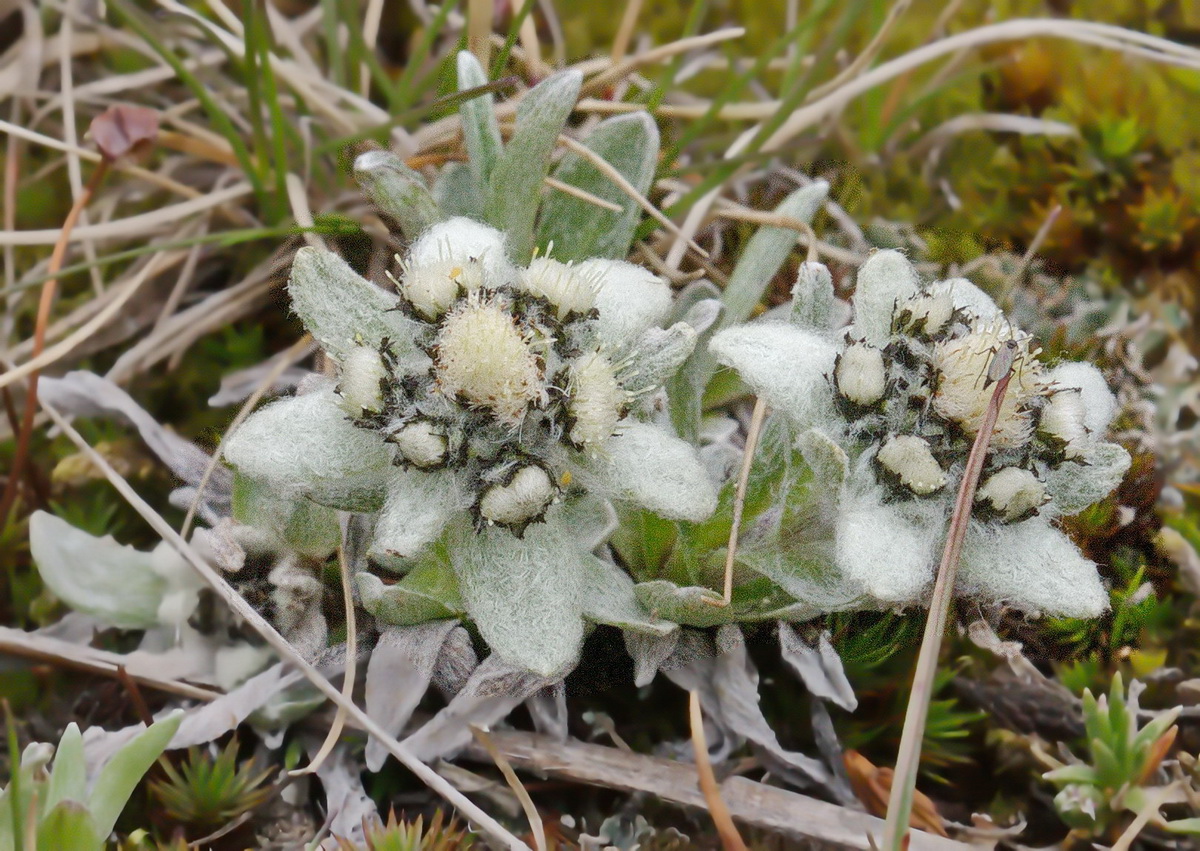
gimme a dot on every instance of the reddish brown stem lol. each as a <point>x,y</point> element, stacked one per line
<point>45,303</point>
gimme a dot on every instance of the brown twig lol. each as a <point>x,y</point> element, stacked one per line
<point>45,303</point>
<point>731,840</point>
<point>901,800</point>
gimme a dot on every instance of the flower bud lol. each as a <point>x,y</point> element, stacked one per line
<point>1061,423</point>
<point>520,501</point>
<point>908,460</point>
<point>421,443</point>
<point>561,284</point>
<point>925,314</point>
<point>1012,495</point>
<point>363,373</point>
<point>860,374</point>
<point>597,401</point>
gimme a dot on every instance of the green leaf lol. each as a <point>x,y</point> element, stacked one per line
<point>113,583</point>
<point>766,252</point>
<point>121,774</point>
<point>1184,825</point>
<point>398,191</point>
<point>481,132</point>
<point>579,229</point>
<point>643,540</point>
<point>69,826</point>
<point>515,185</point>
<point>310,529</point>
<point>68,776</point>
<point>609,598</point>
<point>690,605</point>
<point>686,389</point>
<point>1071,774</point>
<point>427,592</point>
<point>457,194</point>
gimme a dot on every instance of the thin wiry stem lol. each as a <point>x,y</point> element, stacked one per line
<point>895,831</point>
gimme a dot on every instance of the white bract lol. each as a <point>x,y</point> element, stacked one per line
<point>887,411</point>
<point>476,409</point>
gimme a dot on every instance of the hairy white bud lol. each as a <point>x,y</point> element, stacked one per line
<point>421,443</point>
<point>597,400</point>
<point>362,374</point>
<point>910,460</point>
<point>433,287</point>
<point>561,284</point>
<point>483,356</point>
<point>1013,494</point>
<point>1062,422</point>
<point>522,500</point>
<point>925,313</point>
<point>860,374</point>
<point>964,390</point>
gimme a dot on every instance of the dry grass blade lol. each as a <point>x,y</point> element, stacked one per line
<point>900,802</point>
<point>582,194</point>
<point>731,840</point>
<point>1148,812</point>
<point>739,498</point>
<point>259,624</point>
<point>339,718</point>
<point>535,819</point>
<point>604,167</point>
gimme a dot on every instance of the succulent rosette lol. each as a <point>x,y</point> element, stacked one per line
<point>885,412</point>
<point>487,413</point>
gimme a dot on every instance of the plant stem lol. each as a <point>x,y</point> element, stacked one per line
<point>895,831</point>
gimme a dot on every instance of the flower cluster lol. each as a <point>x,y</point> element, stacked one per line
<point>479,404</point>
<point>890,408</point>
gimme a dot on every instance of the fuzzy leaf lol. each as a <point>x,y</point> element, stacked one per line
<point>300,524</point>
<point>515,184</point>
<point>645,465</point>
<point>113,583</point>
<point>68,777</point>
<point>609,598</point>
<point>579,229</point>
<point>124,771</point>
<point>691,606</point>
<point>481,132</point>
<point>457,193</point>
<point>418,507</point>
<point>525,594</point>
<point>398,191</point>
<point>630,299</point>
<point>884,280</point>
<point>1074,486</point>
<point>343,310</point>
<point>305,446</point>
<point>427,592</point>
<point>812,298</point>
<point>70,827</point>
<point>686,389</point>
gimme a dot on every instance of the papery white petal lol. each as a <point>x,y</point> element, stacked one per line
<point>418,507</point>
<point>525,594</point>
<point>886,279</point>
<point>1073,487</point>
<point>968,297</point>
<point>305,446</point>
<point>1100,405</point>
<point>647,466</point>
<point>461,239</point>
<point>113,583</point>
<point>1031,566</point>
<point>630,299</point>
<point>785,365</point>
<point>887,549</point>
<point>342,309</point>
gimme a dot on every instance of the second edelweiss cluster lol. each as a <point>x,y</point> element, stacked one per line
<point>888,409</point>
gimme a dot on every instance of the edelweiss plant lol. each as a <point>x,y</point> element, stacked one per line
<point>476,408</point>
<point>884,414</point>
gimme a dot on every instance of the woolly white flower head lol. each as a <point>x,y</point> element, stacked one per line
<point>562,284</point>
<point>485,357</point>
<point>964,391</point>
